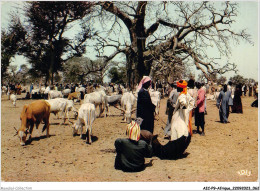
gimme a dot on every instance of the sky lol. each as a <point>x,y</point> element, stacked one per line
<point>244,55</point>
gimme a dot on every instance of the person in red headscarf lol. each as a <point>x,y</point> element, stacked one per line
<point>180,117</point>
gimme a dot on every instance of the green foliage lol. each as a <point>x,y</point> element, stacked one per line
<point>238,79</point>
<point>11,44</point>
<point>45,46</point>
<point>116,75</point>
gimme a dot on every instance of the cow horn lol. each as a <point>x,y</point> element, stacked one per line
<point>133,110</point>
<point>119,108</point>
<point>16,131</point>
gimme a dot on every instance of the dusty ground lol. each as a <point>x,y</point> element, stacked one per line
<point>225,150</point>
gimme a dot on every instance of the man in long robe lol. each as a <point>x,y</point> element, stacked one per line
<point>237,102</point>
<point>223,102</point>
<point>200,109</point>
<point>180,135</point>
<point>171,102</point>
<point>145,107</point>
<point>180,117</point>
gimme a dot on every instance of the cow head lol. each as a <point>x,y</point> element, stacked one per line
<point>76,126</point>
<point>128,112</point>
<point>76,113</point>
<point>26,118</point>
<point>22,136</point>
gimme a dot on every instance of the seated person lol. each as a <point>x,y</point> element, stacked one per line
<point>171,150</point>
<point>131,151</point>
<point>255,103</point>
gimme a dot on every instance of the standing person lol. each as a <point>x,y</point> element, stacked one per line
<point>131,151</point>
<point>145,107</point>
<point>245,90</point>
<point>229,88</point>
<point>31,88</point>
<point>193,94</point>
<point>18,89</point>
<point>200,109</point>
<point>180,117</point>
<point>223,102</point>
<point>254,89</point>
<point>205,105</point>
<point>171,102</point>
<point>250,90</point>
<point>255,103</point>
<point>237,103</point>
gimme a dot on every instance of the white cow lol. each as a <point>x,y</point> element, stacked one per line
<point>64,106</point>
<point>54,94</point>
<point>113,100</point>
<point>155,98</point>
<point>80,89</point>
<point>98,98</point>
<point>35,91</point>
<point>13,99</point>
<point>128,101</point>
<point>47,89</point>
<point>66,92</point>
<point>70,107</point>
<point>3,90</point>
<point>58,105</point>
<point>86,115</point>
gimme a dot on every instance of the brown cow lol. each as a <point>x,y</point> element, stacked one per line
<point>34,113</point>
<point>74,95</point>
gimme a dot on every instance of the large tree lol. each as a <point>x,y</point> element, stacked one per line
<point>12,41</point>
<point>175,31</point>
<point>82,70</point>
<point>238,79</point>
<point>47,48</point>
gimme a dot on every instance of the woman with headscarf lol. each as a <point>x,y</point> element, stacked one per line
<point>223,102</point>
<point>237,103</point>
<point>145,107</point>
<point>180,118</point>
<point>131,152</point>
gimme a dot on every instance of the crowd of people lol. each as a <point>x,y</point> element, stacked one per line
<point>186,100</point>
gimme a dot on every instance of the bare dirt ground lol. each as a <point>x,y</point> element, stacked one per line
<point>218,156</point>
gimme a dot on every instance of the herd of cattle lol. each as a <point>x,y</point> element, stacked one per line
<point>92,105</point>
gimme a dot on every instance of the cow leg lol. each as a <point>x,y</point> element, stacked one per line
<point>87,135</point>
<point>106,110</point>
<point>47,126</point>
<point>64,116</point>
<point>58,115</point>
<point>37,125</point>
<point>67,114</point>
<point>30,131</point>
<point>81,131</point>
<point>100,109</point>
